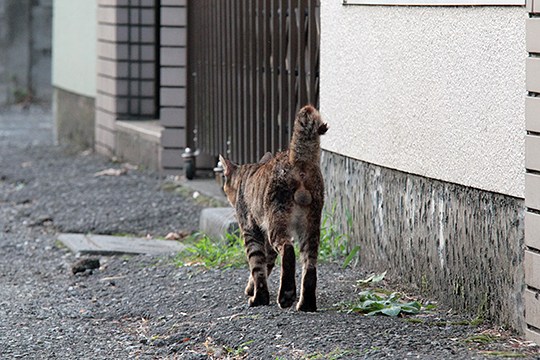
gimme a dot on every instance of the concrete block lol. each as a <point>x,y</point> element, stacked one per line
<point>174,16</point>
<point>532,149</point>
<point>173,36</point>
<point>533,74</point>
<point>532,308</point>
<point>173,117</point>
<point>173,96</point>
<point>531,263</point>
<point>532,113</point>
<point>172,158</point>
<point>111,245</point>
<point>533,35</point>
<point>532,191</point>
<point>217,222</point>
<point>173,77</point>
<point>173,138</point>
<point>532,230</point>
<point>533,336</point>
<point>173,56</point>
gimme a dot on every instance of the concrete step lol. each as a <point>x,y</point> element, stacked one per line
<point>139,142</point>
<point>88,244</point>
<point>217,222</point>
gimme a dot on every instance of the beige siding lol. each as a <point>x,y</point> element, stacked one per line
<point>531,295</point>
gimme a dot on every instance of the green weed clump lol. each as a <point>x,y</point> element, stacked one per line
<point>229,252</point>
<point>211,253</point>
<point>334,245</point>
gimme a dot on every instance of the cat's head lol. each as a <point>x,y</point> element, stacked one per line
<point>230,186</point>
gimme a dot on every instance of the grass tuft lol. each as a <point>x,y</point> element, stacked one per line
<point>210,253</point>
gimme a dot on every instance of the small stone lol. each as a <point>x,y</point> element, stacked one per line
<point>85,264</point>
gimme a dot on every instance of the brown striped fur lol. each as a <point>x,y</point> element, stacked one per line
<point>277,200</point>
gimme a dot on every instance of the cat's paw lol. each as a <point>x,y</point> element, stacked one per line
<point>286,298</point>
<point>307,305</point>
<point>260,298</point>
<point>250,289</point>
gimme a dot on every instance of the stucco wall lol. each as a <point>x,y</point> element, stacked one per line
<point>433,91</point>
<point>74,46</point>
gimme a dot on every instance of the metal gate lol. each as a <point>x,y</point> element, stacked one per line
<point>252,65</point>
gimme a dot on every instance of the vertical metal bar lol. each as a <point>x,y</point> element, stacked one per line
<point>157,57</point>
<point>302,32</point>
<point>268,146</point>
<point>259,49</point>
<point>312,51</point>
<point>254,75</point>
<point>233,82</point>
<point>241,90</point>
<point>221,74</point>
<point>275,75</point>
<point>283,67</point>
<point>293,55</point>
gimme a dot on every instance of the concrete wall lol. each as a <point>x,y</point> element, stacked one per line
<point>434,91</point>
<point>457,244</point>
<point>427,137</point>
<point>74,71</point>
<point>74,48</point>
<point>25,50</point>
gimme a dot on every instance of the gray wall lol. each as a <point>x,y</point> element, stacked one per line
<point>460,245</point>
<point>25,50</point>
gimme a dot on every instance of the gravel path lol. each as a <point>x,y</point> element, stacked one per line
<point>148,308</point>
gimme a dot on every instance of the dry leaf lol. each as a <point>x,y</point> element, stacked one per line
<point>172,236</point>
<point>111,172</point>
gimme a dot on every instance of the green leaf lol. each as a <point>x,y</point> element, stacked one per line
<point>392,310</point>
<point>351,256</point>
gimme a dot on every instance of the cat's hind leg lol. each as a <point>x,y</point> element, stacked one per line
<point>280,239</point>
<point>271,256</point>
<point>309,247</point>
<point>254,241</point>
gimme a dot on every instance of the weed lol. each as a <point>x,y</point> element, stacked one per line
<point>239,351</point>
<point>481,339</point>
<point>505,354</point>
<point>335,354</point>
<point>334,244</point>
<point>371,303</point>
<point>213,254</point>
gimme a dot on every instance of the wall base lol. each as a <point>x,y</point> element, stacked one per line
<point>74,118</point>
<point>139,142</point>
<point>459,245</point>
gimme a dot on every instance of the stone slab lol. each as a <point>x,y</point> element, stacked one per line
<point>217,222</point>
<point>114,245</point>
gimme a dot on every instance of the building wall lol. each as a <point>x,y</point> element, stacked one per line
<point>460,245</point>
<point>427,138</point>
<point>74,71</point>
<point>74,51</point>
<point>433,91</point>
<point>25,51</point>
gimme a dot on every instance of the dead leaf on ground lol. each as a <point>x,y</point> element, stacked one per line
<point>111,172</point>
<point>176,235</point>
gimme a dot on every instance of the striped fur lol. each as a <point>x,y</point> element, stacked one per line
<point>277,200</point>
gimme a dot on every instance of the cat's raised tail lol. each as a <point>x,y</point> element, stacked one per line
<point>305,143</point>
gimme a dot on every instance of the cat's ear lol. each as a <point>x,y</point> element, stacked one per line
<point>228,166</point>
<point>266,158</point>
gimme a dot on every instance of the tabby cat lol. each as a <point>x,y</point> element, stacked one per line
<point>276,200</point>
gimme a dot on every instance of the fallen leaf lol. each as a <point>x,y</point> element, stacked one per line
<point>172,236</point>
<point>111,172</point>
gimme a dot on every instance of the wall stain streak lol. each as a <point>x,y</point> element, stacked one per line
<point>460,245</point>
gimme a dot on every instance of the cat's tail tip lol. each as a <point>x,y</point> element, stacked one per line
<point>311,113</point>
